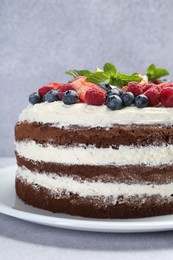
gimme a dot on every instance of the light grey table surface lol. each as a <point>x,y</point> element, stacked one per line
<point>23,240</point>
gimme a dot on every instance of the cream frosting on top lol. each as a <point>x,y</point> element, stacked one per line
<point>59,114</point>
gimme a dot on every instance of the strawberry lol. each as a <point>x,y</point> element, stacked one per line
<point>144,79</point>
<point>63,88</point>
<point>43,90</point>
<point>94,97</point>
<point>55,85</point>
<point>166,96</point>
<point>135,88</point>
<point>153,96</point>
<point>124,89</point>
<point>166,84</point>
<point>81,87</point>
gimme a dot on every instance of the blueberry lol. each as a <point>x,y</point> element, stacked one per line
<point>141,101</point>
<point>70,97</point>
<point>114,102</point>
<point>51,96</point>
<point>105,86</point>
<point>127,98</point>
<point>35,98</point>
<point>163,80</point>
<point>114,91</point>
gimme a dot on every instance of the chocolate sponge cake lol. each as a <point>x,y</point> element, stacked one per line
<point>98,151</point>
<point>95,163</point>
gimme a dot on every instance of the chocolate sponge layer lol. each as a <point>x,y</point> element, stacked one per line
<point>138,135</point>
<point>122,174</point>
<point>93,207</point>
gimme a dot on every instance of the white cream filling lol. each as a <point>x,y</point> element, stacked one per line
<point>81,114</point>
<point>125,155</point>
<point>65,184</point>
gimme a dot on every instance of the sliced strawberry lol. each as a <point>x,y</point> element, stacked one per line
<point>55,85</point>
<point>63,88</point>
<point>124,89</point>
<point>144,79</point>
<point>166,84</point>
<point>43,90</point>
<point>81,87</point>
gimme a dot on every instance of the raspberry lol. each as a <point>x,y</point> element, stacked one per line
<point>81,87</point>
<point>42,91</point>
<point>63,88</point>
<point>153,96</point>
<point>157,81</point>
<point>148,86</point>
<point>135,88</point>
<point>94,97</point>
<point>166,96</point>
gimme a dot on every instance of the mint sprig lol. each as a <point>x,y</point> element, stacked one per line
<point>154,73</point>
<point>109,75</point>
<point>77,73</point>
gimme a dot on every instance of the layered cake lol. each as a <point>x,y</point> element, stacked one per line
<point>97,151</point>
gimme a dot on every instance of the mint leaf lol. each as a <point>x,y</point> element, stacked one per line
<point>128,78</point>
<point>97,77</point>
<point>116,82</point>
<point>151,69</point>
<point>154,73</point>
<point>72,73</point>
<point>109,69</point>
<point>77,73</point>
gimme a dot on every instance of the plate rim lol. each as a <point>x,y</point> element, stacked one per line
<point>85,224</point>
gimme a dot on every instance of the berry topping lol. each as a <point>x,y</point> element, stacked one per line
<point>51,96</point>
<point>166,97</point>
<point>42,91</point>
<point>114,102</point>
<point>55,85</point>
<point>105,86</point>
<point>147,86</point>
<point>153,96</point>
<point>157,81</point>
<point>35,98</point>
<point>70,97</point>
<point>165,85</point>
<point>127,98</point>
<point>63,88</point>
<point>135,88</point>
<point>81,87</point>
<point>94,97</point>
<point>141,101</point>
<point>114,91</point>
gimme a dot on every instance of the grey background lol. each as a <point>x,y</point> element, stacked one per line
<point>39,40</point>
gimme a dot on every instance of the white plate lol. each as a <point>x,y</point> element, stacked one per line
<point>12,206</point>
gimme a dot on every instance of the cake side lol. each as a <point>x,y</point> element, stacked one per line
<point>130,166</point>
<point>95,150</point>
